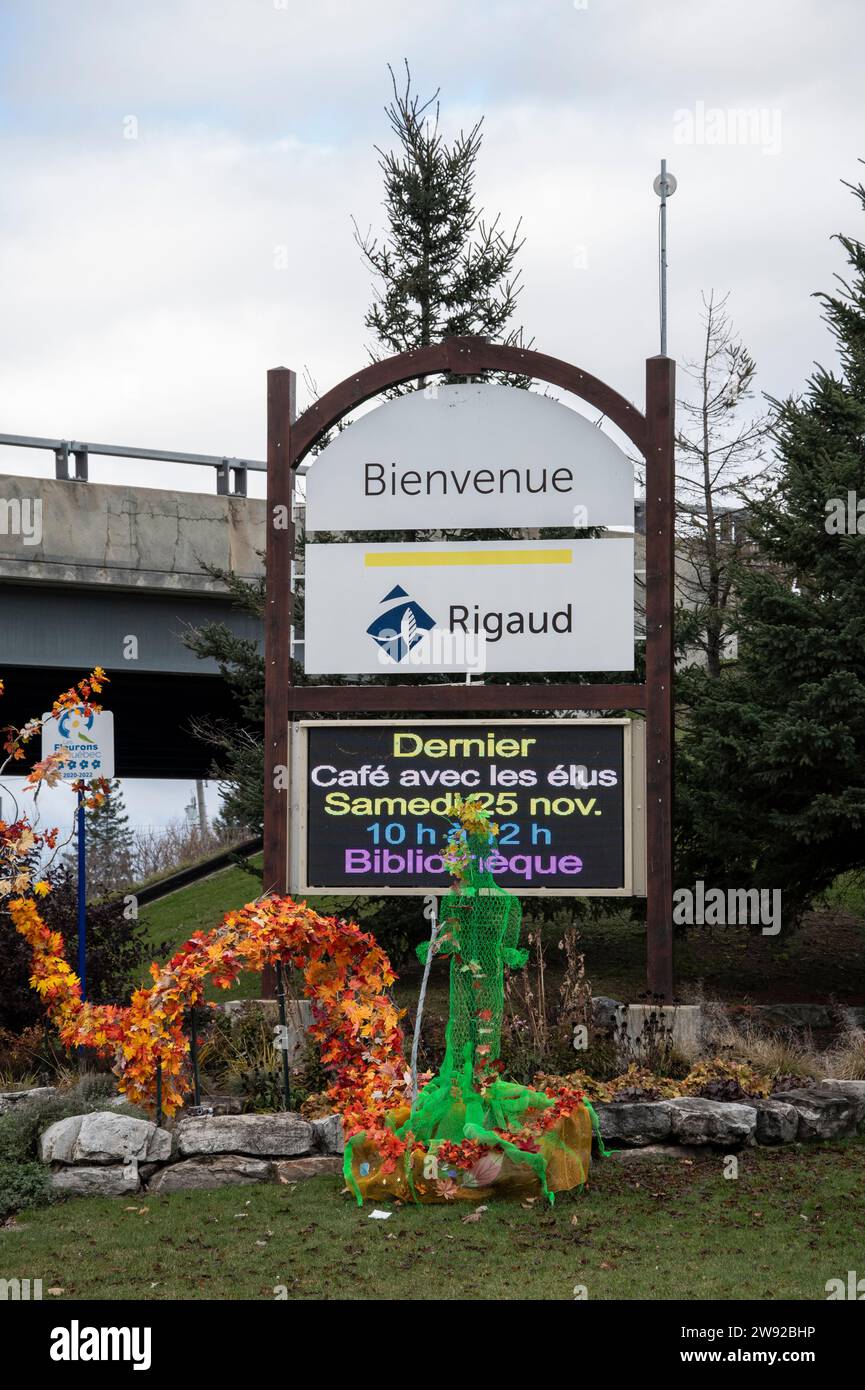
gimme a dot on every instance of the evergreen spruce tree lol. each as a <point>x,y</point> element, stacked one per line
<point>440,270</point>
<point>109,846</point>
<point>237,747</point>
<point>771,770</point>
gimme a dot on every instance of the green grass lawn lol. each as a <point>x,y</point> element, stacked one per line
<point>793,1219</point>
<point>199,907</point>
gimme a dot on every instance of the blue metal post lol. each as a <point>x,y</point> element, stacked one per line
<point>82,899</point>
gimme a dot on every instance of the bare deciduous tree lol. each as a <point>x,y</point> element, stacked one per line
<point>719,457</point>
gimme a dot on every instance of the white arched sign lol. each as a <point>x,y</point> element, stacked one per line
<point>476,455</point>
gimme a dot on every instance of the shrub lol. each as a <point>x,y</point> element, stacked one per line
<point>642,1081</point>
<point>95,1088</point>
<point>116,945</point>
<point>19,1004</point>
<point>653,1049</point>
<point>116,948</point>
<point>719,1079</point>
<point>310,1078</point>
<point>22,1126</point>
<point>396,924</point>
<point>156,851</point>
<point>316,1106</point>
<point>239,1054</point>
<point>23,1185</point>
<point>231,1047</point>
<point>847,1059</point>
<point>592,1089</point>
<point>263,1089</point>
<point>33,1057</point>
<point>770,1053</point>
<point>538,1026</point>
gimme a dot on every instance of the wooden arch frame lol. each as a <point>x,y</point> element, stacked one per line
<point>289,439</point>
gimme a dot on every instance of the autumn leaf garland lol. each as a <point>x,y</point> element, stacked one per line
<point>346,975</point>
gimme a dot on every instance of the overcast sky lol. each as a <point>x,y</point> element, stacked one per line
<point>161,162</point>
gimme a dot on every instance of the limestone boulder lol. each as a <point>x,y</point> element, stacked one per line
<point>607,1014</point>
<point>824,1112</point>
<point>202,1174</point>
<point>327,1135</point>
<point>96,1180</point>
<point>777,1121</point>
<point>695,1120</point>
<point>9,1099</point>
<point>104,1137</point>
<point>295,1169</point>
<point>657,1153</point>
<point>793,1015</point>
<point>633,1124</point>
<point>853,1090</point>
<point>280,1135</point>
<point>58,1141</point>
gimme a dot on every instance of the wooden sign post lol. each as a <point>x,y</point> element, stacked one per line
<point>290,439</point>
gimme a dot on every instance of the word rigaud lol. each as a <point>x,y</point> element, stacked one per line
<point>494,624</point>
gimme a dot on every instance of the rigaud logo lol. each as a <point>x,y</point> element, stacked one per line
<point>404,624</point>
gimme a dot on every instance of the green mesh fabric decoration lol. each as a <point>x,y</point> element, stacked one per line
<point>492,1135</point>
<point>479,930</point>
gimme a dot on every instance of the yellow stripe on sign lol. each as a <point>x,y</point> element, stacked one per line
<point>400,559</point>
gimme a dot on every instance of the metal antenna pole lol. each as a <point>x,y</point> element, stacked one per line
<point>664,258</point>
<point>665,186</point>
<point>434,931</point>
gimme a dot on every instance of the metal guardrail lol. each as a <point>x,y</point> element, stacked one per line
<point>231,473</point>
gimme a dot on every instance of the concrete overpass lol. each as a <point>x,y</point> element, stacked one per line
<point>111,575</point>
